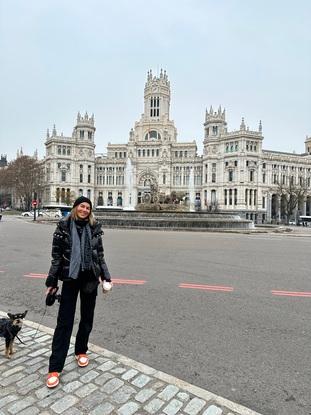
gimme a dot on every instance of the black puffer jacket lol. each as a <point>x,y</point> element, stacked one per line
<point>61,251</point>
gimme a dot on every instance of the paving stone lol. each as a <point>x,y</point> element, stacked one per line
<point>72,386</point>
<point>63,404</point>
<point>38,352</point>
<point>173,407</point>
<point>183,396</point>
<point>144,395</point>
<point>128,409</point>
<point>7,400</point>
<point>30,378</point>
<point>32,362</point>
<point>118,370</point>
<point>29,387</point>
<point>93,355</point>
<point>37,368</point>
<point>103,409</point>
<point>70,366</point>
<point>72,411</point>
<point>69,377</point>
<point>213,410</point>
<point>6,391</point>
<point>168,392</point>
<point>102,379</point>
<point>112,385</point>
<point>153,406</point>
<point>55,396</point>
<point>43,392</point>
<point>123,394</point>
<point>20,405</point>
<point>10,372</point>
<point>94,399</point>
<point>129,374</point>
<point>89,376</point>
<point>11,379</point>
<point>101,359</point>
<point>43,338</point>
<point>141,381</point>
<point>32,410</point>
<point>194,406</point>
<point>86,390</point>
<point>107,366</point>
<point>158,385</point>
<point>15,362</point>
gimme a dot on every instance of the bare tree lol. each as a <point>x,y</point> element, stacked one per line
<point>25,178</point>
<point>291,195</point>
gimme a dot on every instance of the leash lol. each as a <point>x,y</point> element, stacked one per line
<point>21,341</point>
<point>40,323</point>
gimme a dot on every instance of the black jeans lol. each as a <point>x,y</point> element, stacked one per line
<point>65,320</point>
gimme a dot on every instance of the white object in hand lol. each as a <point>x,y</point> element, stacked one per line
<point>107,286</point>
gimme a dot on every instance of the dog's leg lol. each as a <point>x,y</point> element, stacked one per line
<point>7,348</point>
<point>11,351</point>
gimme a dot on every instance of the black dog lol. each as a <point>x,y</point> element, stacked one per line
<point>9,327</point>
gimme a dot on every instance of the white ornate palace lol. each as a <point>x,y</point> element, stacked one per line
<point>234,172</point>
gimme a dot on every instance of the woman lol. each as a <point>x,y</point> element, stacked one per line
<point>78,261</point>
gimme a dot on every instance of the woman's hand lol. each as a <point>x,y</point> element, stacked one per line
<point>106,285</point>
<point>51,290</point>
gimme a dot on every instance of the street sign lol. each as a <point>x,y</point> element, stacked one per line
<point>34,203</point>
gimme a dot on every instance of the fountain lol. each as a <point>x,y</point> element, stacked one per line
<point>156,214</point>
<point>191,190</point>
<point>129,177</point>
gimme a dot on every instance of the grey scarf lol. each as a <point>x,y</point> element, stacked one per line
<point>81,251</point>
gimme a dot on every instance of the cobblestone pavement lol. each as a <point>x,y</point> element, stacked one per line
<point>111,384</point>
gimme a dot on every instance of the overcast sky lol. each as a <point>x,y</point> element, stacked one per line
<point>59,57</point>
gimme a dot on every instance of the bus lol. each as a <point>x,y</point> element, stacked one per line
<point>64,209</point>
<point>304,220</point>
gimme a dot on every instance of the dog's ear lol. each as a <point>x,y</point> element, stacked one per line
<point>11,316</point>
<point>24,315</point>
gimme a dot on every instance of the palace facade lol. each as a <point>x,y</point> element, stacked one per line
<point>234,173</point>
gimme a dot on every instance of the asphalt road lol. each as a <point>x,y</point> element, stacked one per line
<point>242,342</point>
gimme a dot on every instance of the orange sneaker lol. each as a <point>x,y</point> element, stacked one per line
<point>52,379</point>
<point>82,359</point>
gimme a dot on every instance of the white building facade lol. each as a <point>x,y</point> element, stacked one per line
<point>234,174</point>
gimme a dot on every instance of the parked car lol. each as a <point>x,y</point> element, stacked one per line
<point>44,213</point>
<point>27,214</point>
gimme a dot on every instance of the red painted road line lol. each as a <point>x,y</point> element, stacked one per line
<point>206,287</point>
<point>2,271</point>
<point>124,281</point>
<point>291,293</point>
<point>32,275</point>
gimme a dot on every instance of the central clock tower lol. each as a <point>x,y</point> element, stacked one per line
<point>157,97</point>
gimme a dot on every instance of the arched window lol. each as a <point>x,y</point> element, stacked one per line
<point>153,135</point>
